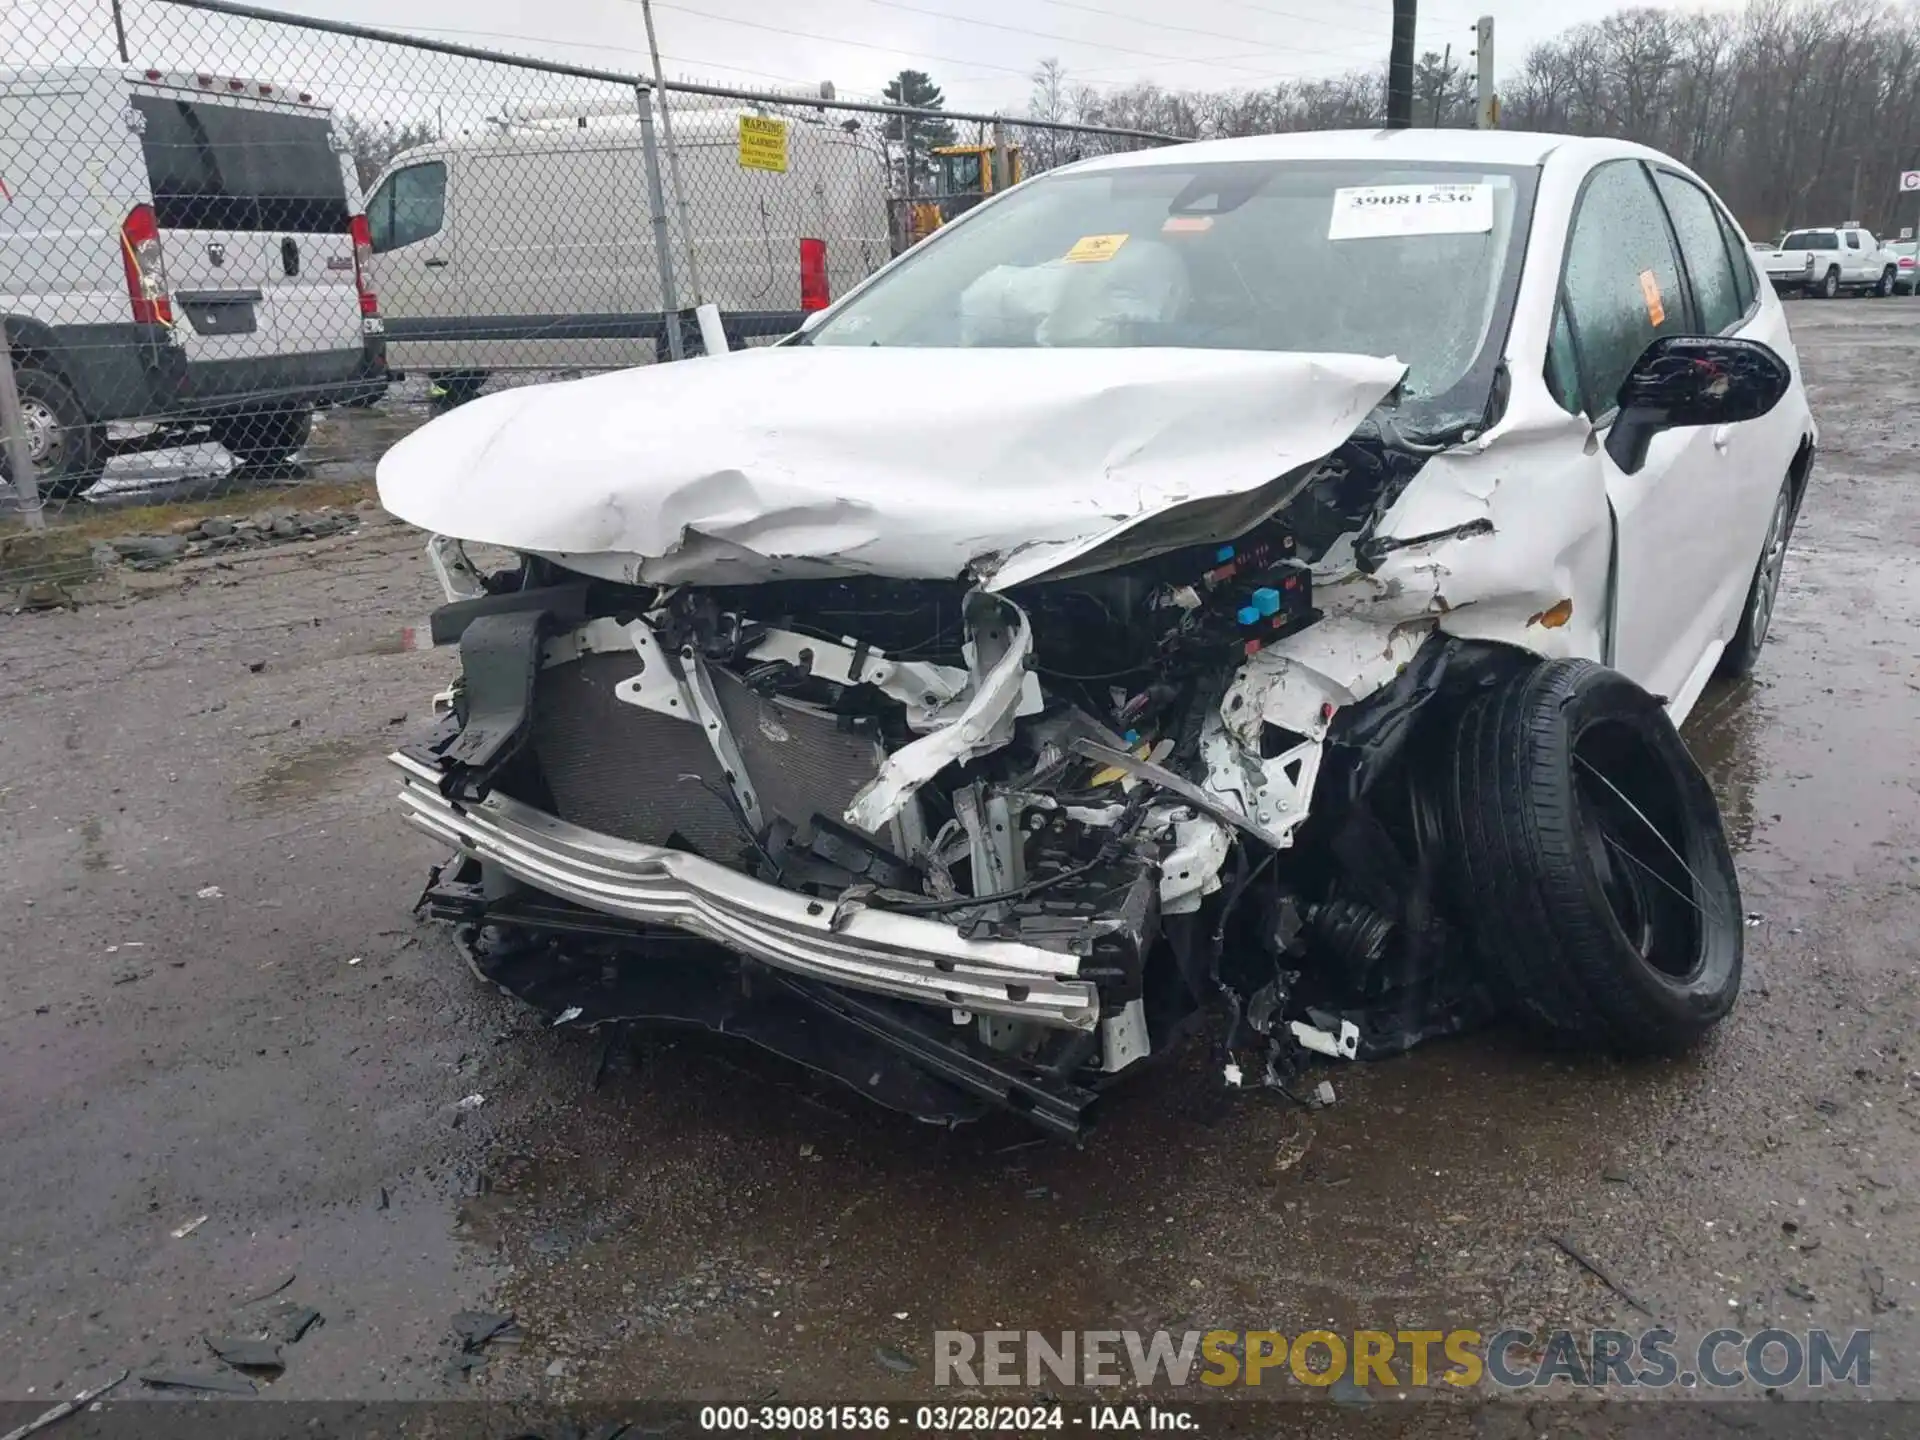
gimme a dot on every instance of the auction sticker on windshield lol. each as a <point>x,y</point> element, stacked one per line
<point>1362,212</point>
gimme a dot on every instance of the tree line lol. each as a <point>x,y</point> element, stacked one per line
<point>1796,111</point>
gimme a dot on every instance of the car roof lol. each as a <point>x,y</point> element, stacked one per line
<point>1485,147</point>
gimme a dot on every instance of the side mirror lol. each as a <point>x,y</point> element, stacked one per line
<point>1688,380</point>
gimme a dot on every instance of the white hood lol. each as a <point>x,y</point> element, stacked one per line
<point>802,461</point>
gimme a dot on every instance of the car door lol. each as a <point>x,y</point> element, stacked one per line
<point>413,272</point>
<point>1854,257</point>
<point>217,257</point>
<point>1622,287</point>
<point>1752,458</point>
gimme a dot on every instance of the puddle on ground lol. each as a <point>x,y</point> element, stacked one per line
<point>309,773</point>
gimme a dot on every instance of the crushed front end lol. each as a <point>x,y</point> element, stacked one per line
<point>957,847</point>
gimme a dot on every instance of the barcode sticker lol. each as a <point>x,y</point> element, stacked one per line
<point>1362,212</point>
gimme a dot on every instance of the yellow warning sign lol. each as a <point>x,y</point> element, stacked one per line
<point>763,143</point>
<point>1091,249</point>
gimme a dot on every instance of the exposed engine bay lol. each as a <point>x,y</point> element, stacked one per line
<point>1095,787</point>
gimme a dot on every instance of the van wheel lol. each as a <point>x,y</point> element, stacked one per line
<point>263,437</point>
<point>66,452</point>
<point>1591,861</point>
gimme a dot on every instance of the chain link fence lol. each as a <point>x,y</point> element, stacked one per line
<point>241,251</point>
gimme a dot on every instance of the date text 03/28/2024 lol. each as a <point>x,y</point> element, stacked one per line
<point>938,1419</point>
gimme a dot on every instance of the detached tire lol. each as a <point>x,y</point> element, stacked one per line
<point>1590,860</point>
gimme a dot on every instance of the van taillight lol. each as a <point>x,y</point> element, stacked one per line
<point>362,256</point>
<point>813,275</point>
<point>146,267</point>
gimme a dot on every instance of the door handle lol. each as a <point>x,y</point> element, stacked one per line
<point>1722,436</point>
<point>289,256</point>
<point>435,263</point>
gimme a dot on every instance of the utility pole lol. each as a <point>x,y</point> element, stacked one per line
<point>1487,106</point>
<point>1400,68</point>
<point>1443,92</point>
<point>673,153</point>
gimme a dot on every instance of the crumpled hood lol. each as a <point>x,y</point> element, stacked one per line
<point>796,461</point>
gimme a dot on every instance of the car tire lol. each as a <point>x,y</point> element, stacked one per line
<point>66,450</point>
<point>1829,287</point>
<point>263,437</point>
<point>1884,286</point>
<point>1756,615</point>
<point>1589,857</point>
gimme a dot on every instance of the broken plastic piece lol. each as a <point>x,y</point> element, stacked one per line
<point>1343,1046</point>
<point>1323,1094</point>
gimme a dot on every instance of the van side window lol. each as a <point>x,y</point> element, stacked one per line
<point>410,206</point>
<point>1622,281</point>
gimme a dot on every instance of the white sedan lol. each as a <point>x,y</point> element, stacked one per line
<point>1139,602</point>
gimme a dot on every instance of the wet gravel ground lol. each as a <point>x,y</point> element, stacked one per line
<point>213,1003</point>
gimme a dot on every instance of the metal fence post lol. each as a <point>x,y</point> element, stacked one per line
<point>662,238</point>
<point>13,425</point>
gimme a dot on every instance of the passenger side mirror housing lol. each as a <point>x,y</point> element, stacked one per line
<point>1688,380</point>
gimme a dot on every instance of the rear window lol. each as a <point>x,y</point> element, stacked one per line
<point>1811,240</point>
<point>224,167</point>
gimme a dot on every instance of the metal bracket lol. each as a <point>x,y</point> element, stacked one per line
<point>458,577</point>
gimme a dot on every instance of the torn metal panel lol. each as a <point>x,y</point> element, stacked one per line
<point>796,461</point>
<point>1001,641</point>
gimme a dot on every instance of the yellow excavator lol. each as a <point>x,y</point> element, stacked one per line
<point>965,178</point>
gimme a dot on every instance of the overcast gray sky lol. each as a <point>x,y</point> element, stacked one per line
<point>981,51</point>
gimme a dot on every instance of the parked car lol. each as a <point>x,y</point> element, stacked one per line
<point>179,248</point>
<point>529,248</point>
<point>1087,625</point>
<point>1906,279</point>
<point>1824,262</point>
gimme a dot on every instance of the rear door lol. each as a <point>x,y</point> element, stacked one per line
<point>297,182</point>
<point>411,229</point>
<point>218,258</point>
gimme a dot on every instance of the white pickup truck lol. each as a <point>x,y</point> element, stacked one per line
<point>1826,261</point>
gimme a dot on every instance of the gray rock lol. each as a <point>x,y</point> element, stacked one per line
<point>150,547</point>
<point>215,527</point>
<point>103,555</point>
<point>283,528</point>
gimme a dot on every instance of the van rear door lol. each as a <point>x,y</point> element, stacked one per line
<point>253,209</point>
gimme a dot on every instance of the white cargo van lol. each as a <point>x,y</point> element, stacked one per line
<point>182,248</point>
<point>533,247</point>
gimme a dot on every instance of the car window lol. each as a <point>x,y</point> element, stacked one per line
<point>1745,284</point>
<point>227,167</point>
<point>409,206</point>
<point>1811,240</point>
<point>1703,245</point>
<point>1621,285</point>
<point>1368,256</point>
<point>1853,239</point>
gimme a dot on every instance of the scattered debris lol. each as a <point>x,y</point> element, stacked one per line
<point>566,1016</point>
<point>188,1228</point>
<point>1615,1177</point>
<point>256,666</point>
<point>1798,1291</point>
<point>384,1202</point>
<point>1292,1150</point>
<point>557,1369</point>
<point>1876,1279</point>
<point>894,1360</point>
<point>199,1380</point>
<point>245,1354</point>
<point>1592,1267</point>
<point>1343,1046</point>
<point>64,1409</point>
<point>899,1314</point>
<point>269,1294</point>
<point>476,1327</point>
<point>1323,1095</point>
<point>291,1322</point>
<point>208,892</point>
<point>471,1102</point>
<point>356,960</point>
<point>1754,917</point>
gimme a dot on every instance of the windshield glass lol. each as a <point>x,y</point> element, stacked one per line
<point>1402,260</point>
<point>1811,240</point>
